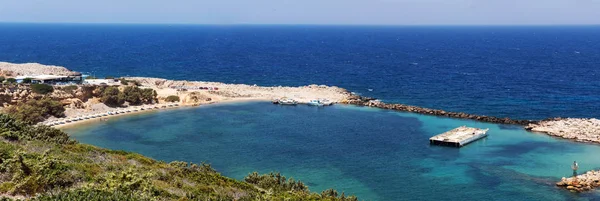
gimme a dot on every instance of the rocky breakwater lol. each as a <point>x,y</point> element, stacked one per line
<point>577,129</point>
<point>581,183</point>
<point>371,102</point>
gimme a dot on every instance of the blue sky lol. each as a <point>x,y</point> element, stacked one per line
<point>394,12</point>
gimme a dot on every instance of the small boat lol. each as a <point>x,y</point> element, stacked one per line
<point>104,114</point>
<point>86,117</point>
<point>326,102</point>
<point>68,121</point>
<point>142,109</point>
<point>287,101</point>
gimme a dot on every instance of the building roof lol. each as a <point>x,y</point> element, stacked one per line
<point>41,77</point>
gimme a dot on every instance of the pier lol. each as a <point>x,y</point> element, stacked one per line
<point>458,137</point>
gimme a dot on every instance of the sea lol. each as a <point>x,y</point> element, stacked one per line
<point>521,72</point>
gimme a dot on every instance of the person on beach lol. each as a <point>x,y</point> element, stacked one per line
<point>575,166</point>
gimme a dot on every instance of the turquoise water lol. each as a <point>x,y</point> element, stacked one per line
<point>375,154</point>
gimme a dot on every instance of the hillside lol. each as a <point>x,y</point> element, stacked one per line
<point>42,163</point>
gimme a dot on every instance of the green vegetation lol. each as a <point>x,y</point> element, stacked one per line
<point>127,82</point>
<point>11,80</point>
<point>2,78</point>
<point>34,111</point>
<point>42,88</point>
<point>44,162</point>
<point>27,80</point>
<point>172,98</point>
<point>70,88</point>
<point>113,97</point>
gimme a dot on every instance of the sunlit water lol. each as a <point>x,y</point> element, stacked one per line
<point>375,154</point>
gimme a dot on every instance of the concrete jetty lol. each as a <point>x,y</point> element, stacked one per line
<point>458,137</point>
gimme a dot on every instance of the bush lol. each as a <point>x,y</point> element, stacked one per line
<point>11,80</point>
<point>42,88</point>
<point>34,111</point>
<point>172,98</point>
<point>27,80</point>
<point>70,88</point>
<point>13,129</point>
<point>111,96</point>
<point>2,78</point>
<point>127,82</point>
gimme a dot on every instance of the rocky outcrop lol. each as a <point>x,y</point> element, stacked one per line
<point>11,69</point>
<point>371,102</point>
<point>581,183</point>
<point>13,94</point>
<point>580,130</point>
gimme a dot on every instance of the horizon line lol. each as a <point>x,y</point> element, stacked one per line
<point>300,24</point>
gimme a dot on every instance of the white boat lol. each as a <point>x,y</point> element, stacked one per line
<point>315,103</point>
<point>287,101</point>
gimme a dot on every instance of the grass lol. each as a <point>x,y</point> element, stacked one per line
<point>42,163</point>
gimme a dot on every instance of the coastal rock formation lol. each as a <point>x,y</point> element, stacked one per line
<point>580,130</point>
<point>581,183</point>
<point>221,91</point>
<point>371,102</point>
<point>12,94</point>
<point>12,70</point>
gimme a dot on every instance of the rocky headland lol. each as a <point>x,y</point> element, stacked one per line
<point>577,129</point>
<point>581,183</point>
<point>13,70</point>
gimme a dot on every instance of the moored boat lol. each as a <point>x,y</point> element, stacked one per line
<point>315,103</point>
<point>287,101</point>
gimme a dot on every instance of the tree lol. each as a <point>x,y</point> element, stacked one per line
<point>42,88</point>
<point>133,95</point>
<point>11,80</point>
<point>34,111</point>
<point>149,95</point>
<point>2,78</point>
<point>27,80</point>
<point>172,98</point>
<point>111,96</point>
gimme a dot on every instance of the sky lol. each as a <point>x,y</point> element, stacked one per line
<point>352,12</point>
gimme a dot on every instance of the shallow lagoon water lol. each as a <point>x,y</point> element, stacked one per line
<point>375,154</point>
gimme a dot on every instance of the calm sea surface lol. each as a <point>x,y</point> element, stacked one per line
<point>375,154</point>
<point>518,72</point>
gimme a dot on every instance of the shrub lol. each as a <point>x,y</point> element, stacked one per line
<point>133,95</point>
<point>172,98</point>
<point>70,88</point>
<point>42,88</point>
<point>34,111</point>
<point>11,80</point>
<point>2,78</point>
<point>14,129</point>
<point>111,96</point>
<point>27,80</point>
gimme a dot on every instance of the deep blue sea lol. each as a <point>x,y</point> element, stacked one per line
<point>519,72</point>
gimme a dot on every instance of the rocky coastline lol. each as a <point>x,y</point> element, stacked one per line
<point>372,102</point>
<point>581,183</point>
<point>577,129</point>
